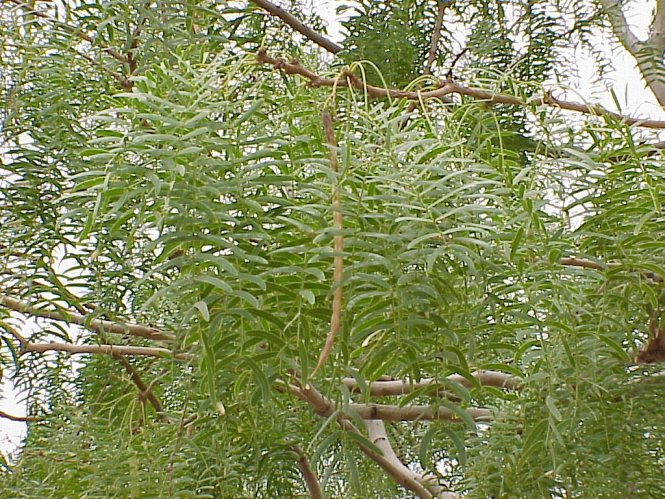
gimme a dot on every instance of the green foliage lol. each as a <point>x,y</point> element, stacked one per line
<point>392,36</point>
<point>179,184</point>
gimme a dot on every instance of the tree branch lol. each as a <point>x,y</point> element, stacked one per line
<point>21,339</point>
<point>325,408</point>
<point>348,80</point>
<point>657,36</point>
<point>132,44</point>
<point>98,325</point>
<point>648,54</point>
<point>416,413</point>
<point>338,258</point>
<point>393,468</point>
<point>404,387</point>
<point>431,56</point>
<point>18,419</point>
<point>396,473</point>
<point>311,480</point>
<point>145,391</point>
<point>442,5</point>
<point>104,349</point>
<point>376,431</point>
<point>301,28</point>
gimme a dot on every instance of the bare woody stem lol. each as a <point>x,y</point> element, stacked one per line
<point>98,325</point>
<point>311,480</point>
<point>325,408</point>
<point>18,419</point>
<point>338,262</point>
<point>297,25</point>
<point>376,431</point>
<point>431,55</point>
<point>145,391</point>
<point>404,387</point>
<point>442,5</point>
<point>394,471</point>
<point>348,80</point>
<point>104,349</point>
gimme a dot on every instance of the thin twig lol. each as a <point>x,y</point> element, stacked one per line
<point>338,259</point>
<point>450,74</point>
<point>21,339</point>
<point>133,44</point>
<point>347,80</point>
<point>145,391</point>
<point>98,325</point>
<point>18,419</point>
<point>301,28</point>
<point>436,34</point>
<point>431,56</point>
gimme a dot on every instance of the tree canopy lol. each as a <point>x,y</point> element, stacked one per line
<point>241,259</point>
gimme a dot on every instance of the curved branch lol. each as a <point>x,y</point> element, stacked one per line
<point>301,28</point>
<point>348,80</point>
<point>648,54</point>
<point>376,431</point>
<point>97,325</point>
<point>18,419</point>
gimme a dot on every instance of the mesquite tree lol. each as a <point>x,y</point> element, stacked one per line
<point>240,259</point>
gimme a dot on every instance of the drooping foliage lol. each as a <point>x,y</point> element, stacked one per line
<point>153,173</point>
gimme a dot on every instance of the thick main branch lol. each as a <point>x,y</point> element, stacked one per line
<point>376,431</point>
